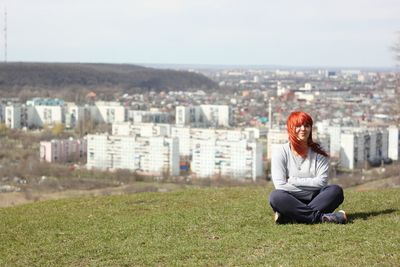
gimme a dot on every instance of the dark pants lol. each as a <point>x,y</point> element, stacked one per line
<point>302,211</point>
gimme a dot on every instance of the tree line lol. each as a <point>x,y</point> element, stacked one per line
<point>69,79</point>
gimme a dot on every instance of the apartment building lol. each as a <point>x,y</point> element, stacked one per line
<point>63,151</point>
<point>238,159</point>
<point>275,137</point>
<point>360,143</point>
<point>40,116</point>
<point>35,113</point>
<point>107,112</point>
<point>149,155</point>
<point>357,146</point>
<point>14,116</point>
<point>186,139</point>
<point>184,135</point>
<point>101,112</point>
<point>148,116</point>
<point>187,135</point>
<point>74,114</point>
<point>204,116</point>
<point>334,133</point>
<point>2,112</point>
<point>393,142</point>
<point>44,111</point>
<point>378,143</point>
<point>352,150</point>
<point>141,129</point>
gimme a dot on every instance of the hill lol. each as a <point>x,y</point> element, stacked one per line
<point>197,227</point>
<point>52,78</point>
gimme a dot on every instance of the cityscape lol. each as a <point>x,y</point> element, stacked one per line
<point>227,133</point>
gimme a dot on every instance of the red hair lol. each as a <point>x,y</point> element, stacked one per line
<point>298,118</point>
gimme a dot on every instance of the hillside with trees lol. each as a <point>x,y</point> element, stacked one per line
<point>71,81</point>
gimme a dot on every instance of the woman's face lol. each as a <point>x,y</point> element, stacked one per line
<point>303,132</point>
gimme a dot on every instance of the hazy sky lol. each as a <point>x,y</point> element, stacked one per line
<point>348,33</point>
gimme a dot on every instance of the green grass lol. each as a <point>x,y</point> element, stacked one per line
<point>212,227</point>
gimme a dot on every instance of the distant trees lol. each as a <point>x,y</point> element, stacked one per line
<point>72,82</point>
<point>85,126</point>
<point>58,129</point>
<point>3,129</point>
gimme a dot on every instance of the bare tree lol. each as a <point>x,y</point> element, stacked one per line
<point>396,49</point>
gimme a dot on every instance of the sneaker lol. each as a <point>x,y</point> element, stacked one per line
<point>279,219</point>
<point>277,216</point>
<point>335,217</point>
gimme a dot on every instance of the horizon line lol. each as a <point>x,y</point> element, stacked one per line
<point>214,65</point>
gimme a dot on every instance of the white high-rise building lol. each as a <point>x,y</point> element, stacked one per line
<point>185,139</point>
<point>393,143</point>
<point>108,112</point>
<point>148,116</point>
<point>74,114</point>
<point>238,159</point>
<point>161,155</point>
<point>186,115</point>
<point>13,116</point>
<point>39,112</point>
<point>360,145</point>
<point>324,140</point>
<point>243,156</point>
<point>204,116</point>
<point>352,150</point>
<point>2,112</point>
<point>38,116</point>
<point>186,135</point>
<point>111,152</point>
<point>378,143</point>
<point>141,129</point>
<point>275,137</point>
<point>101,112</point>
<point>36,113</point>
<point>334,145</point>
<point>44,111</point>
<point>148,155</point>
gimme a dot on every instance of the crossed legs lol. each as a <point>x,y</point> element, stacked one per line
<point>293,209</point>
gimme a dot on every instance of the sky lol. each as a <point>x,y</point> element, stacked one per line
<point>308,33</point>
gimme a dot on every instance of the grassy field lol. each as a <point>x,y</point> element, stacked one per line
<point>197,227</point>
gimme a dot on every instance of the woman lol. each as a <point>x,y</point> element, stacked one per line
<point>300,176</point>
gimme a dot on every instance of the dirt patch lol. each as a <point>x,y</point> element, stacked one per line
<point>18,198</point>
<point>392,182</point>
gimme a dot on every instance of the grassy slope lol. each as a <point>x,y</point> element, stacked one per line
<point>231,226</point>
